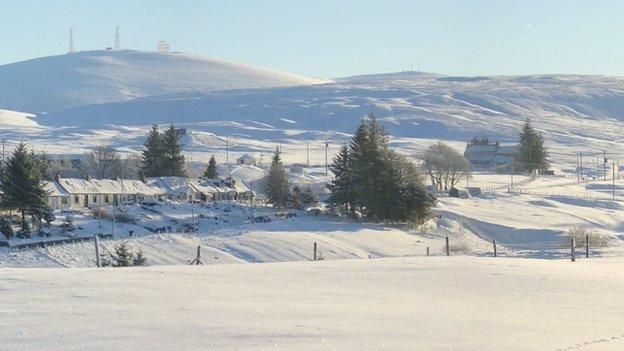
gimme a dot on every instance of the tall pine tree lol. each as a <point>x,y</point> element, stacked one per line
<point>22,185</point>
<point>373,180</point>
<point>342,186</point>
<point>172,160</point>
<point>531,155</point>
<point>152,154</point>
<point>276,185</point>
<point>211,170</point>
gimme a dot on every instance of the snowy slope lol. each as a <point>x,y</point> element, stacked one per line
<point>89,77</point>
<point>574,112</point>
<point>426,303</point>
<point>13,119</point>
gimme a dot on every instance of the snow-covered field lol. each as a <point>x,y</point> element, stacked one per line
<point>425,303</point>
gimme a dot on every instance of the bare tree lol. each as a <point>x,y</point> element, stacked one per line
<point>103,162</point>
<point>445,166</point>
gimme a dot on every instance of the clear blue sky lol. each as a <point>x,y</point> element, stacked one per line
<point>337,38</point>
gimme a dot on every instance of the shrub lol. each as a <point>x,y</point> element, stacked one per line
<point>580,234</point>
<point>122,256</point>
<point>458,247</point>
<point>68,224</point>
<point>139,259</point>
<point>48,216</point>
<point>24,231</point>
<point>5,227</point>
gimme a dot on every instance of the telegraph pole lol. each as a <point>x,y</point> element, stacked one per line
<point>326,147</point>
<point>613,179</point>
<point>578,170</point>
<point>604,163</point>
<point>227,151</point>
<point>308,152</point>
<point>581,162</point>
<point>3,142</point>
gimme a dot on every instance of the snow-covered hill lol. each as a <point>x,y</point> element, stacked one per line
<point>576,113</point>
<point>90,77</point>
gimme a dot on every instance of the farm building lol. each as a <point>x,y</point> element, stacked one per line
<point>492,155</point>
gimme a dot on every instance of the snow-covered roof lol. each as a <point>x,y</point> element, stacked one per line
<point>246,157</point>
<point>107,186</point>
<point>481,148</point>
<point>54,189</point>
<point>187,186</point>
<point>171,185</point>
<point>153,187</point>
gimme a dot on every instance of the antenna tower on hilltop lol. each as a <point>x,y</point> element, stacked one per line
<point>117,41</point>
<point>71,41</point>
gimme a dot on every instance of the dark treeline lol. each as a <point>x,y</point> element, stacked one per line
<point>372,181</point>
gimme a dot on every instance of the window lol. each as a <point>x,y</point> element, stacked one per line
<point>76,199</point>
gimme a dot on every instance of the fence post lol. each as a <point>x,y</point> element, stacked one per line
<point>427,250</point>
<point>448,251</point>
<point>315,247</point>
<point>572,250</point>
<point>495,252</point>
<point>586,246</point>
<point>96,240</point>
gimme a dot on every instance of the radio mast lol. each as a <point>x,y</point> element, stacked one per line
<point>71,41</point>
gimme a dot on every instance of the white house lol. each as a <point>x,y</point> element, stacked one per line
<point>490,155</point>
<point>246,159</point>
<point>85,193</point>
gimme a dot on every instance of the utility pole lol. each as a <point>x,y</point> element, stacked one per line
<point>100,209</point>
<point>308,152</point>
<point>604,163</point>
<point>3,157</point>
<point>578,170</point>
<point>227,151</point>
<point>613,179</point>
<point>511,174</point>
<point>193,210</point>
<point>581,162</point>
<point>326,147</point>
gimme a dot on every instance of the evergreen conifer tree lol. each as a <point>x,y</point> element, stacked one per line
<point>122,257</point>
<point>152,154</point>
<point>276,182</point>
<point>211,170</point>
<point>5,227</point>
<point>139,259</point>
<point>296,198</point>
<point>309,198</point>
<point>342,186</point>
<point>172,158</point>
<point>531,155</point>
<point>372,179</point>
<point>22,185</point>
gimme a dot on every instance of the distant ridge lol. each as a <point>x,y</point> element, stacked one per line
<point>92,77</point>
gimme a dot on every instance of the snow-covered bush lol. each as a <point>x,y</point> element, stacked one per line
<point>139,259</point>
<point>68,224</point>
<point>581,234</point>
<point>5,227</point>
<point>24,231</point>
<point>458,247</point>
<point>48,216</point>
<point>124,257</point>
